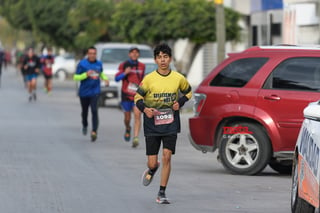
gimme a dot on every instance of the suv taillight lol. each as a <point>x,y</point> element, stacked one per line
<point>199,100</point>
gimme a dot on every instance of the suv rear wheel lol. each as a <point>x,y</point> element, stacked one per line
<point>245,152</point>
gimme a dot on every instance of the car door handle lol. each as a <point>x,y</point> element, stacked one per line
<point>272,97</point>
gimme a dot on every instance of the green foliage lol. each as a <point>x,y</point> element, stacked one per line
<point>158,20</point>
<point>11,37</point>
<point>77,24</point>
<point>72,24</point>
<point>90,19</point>
<point>46,19</point>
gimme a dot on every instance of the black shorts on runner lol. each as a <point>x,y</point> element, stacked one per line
<point>47,76</point>
<point>153,143</point>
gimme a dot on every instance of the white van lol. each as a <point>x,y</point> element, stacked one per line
<point>111,55</point>
<point>305,197</point>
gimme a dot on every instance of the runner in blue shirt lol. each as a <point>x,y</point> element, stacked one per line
<point>89,72</point>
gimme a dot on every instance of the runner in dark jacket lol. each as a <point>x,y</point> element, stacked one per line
<point>2,58</point>
<point>31,67</point>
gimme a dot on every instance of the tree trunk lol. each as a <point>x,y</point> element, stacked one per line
<point>189,54</point>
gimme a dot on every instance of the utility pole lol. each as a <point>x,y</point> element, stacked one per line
<point>220,30</point>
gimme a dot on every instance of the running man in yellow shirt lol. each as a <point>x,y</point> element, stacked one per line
<point>158,98</point>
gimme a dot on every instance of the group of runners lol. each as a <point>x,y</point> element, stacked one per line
<point>31,66</point>
<point>158,96</point>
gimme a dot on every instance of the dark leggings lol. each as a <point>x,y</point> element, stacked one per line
<point>93,103</point>
<point>0,72</point>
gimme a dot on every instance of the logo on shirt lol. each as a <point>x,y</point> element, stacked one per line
<point>167,97</point>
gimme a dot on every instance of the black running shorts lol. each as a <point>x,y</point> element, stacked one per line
<point>153,143</point>
<point>47,77</point>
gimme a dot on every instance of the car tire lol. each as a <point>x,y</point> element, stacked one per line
<point>101,101</point>
<point>61,75</point>
<point>284,168</point>
<point>298,205</point>
<point>246,153</point>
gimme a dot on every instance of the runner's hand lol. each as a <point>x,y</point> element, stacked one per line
<point>89,72</point>
<point>106,83</point>
<point>148,112</point>
<point>175,106</point>
<point>127,70</point>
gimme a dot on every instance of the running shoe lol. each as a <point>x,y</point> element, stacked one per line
<point>34,96</point>
<point>147,177</point>
<point>93,136</point>
<point>127,135</point>
<point>84,130</point>
<point>162,199</point>
<point>135,142</point>
<point>30,98</point>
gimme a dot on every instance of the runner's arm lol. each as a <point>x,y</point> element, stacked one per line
<point>120,77</point>
<point>140,94</point>
<point>104,76</point>
<point>120,74</point>
<point>79,75</point>
<point>141,106</point>
<point>186,90</point>
<point>38,66</point>
<point>138,99</point>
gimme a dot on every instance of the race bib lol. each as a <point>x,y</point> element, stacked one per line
<point>49,65</point>
<point>163,116</point>
<point>132,87</point>
<point>94,75</point>
<point>31,64</point>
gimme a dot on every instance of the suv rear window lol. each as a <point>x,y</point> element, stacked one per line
<point>301,73</point>
<point>117,55</point>
<point>238,73</point>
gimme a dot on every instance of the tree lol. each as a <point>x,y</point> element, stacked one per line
<point>90,19</point>
<point>10,37</point>
<point>157,20</point>
<point>77,24</point>
<point>46,19</point>
<point>72,24</point>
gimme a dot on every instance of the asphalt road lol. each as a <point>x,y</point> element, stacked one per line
<point>48,166</point>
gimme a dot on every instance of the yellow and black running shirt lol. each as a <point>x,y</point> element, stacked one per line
<point>160,92</point>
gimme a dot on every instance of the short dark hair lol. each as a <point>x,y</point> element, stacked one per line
<point>162,48</point>
<point>134,48</point>
<point>91,48</point>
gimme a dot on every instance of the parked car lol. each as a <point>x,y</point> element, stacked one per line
<point>64,66</point>
<point>250,107</point>
<point>305,190</point>
<point>112,54</point>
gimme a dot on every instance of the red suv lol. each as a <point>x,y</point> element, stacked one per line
<point>250,107</point>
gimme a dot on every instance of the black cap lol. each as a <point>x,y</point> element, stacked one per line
<point>133,48</point>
